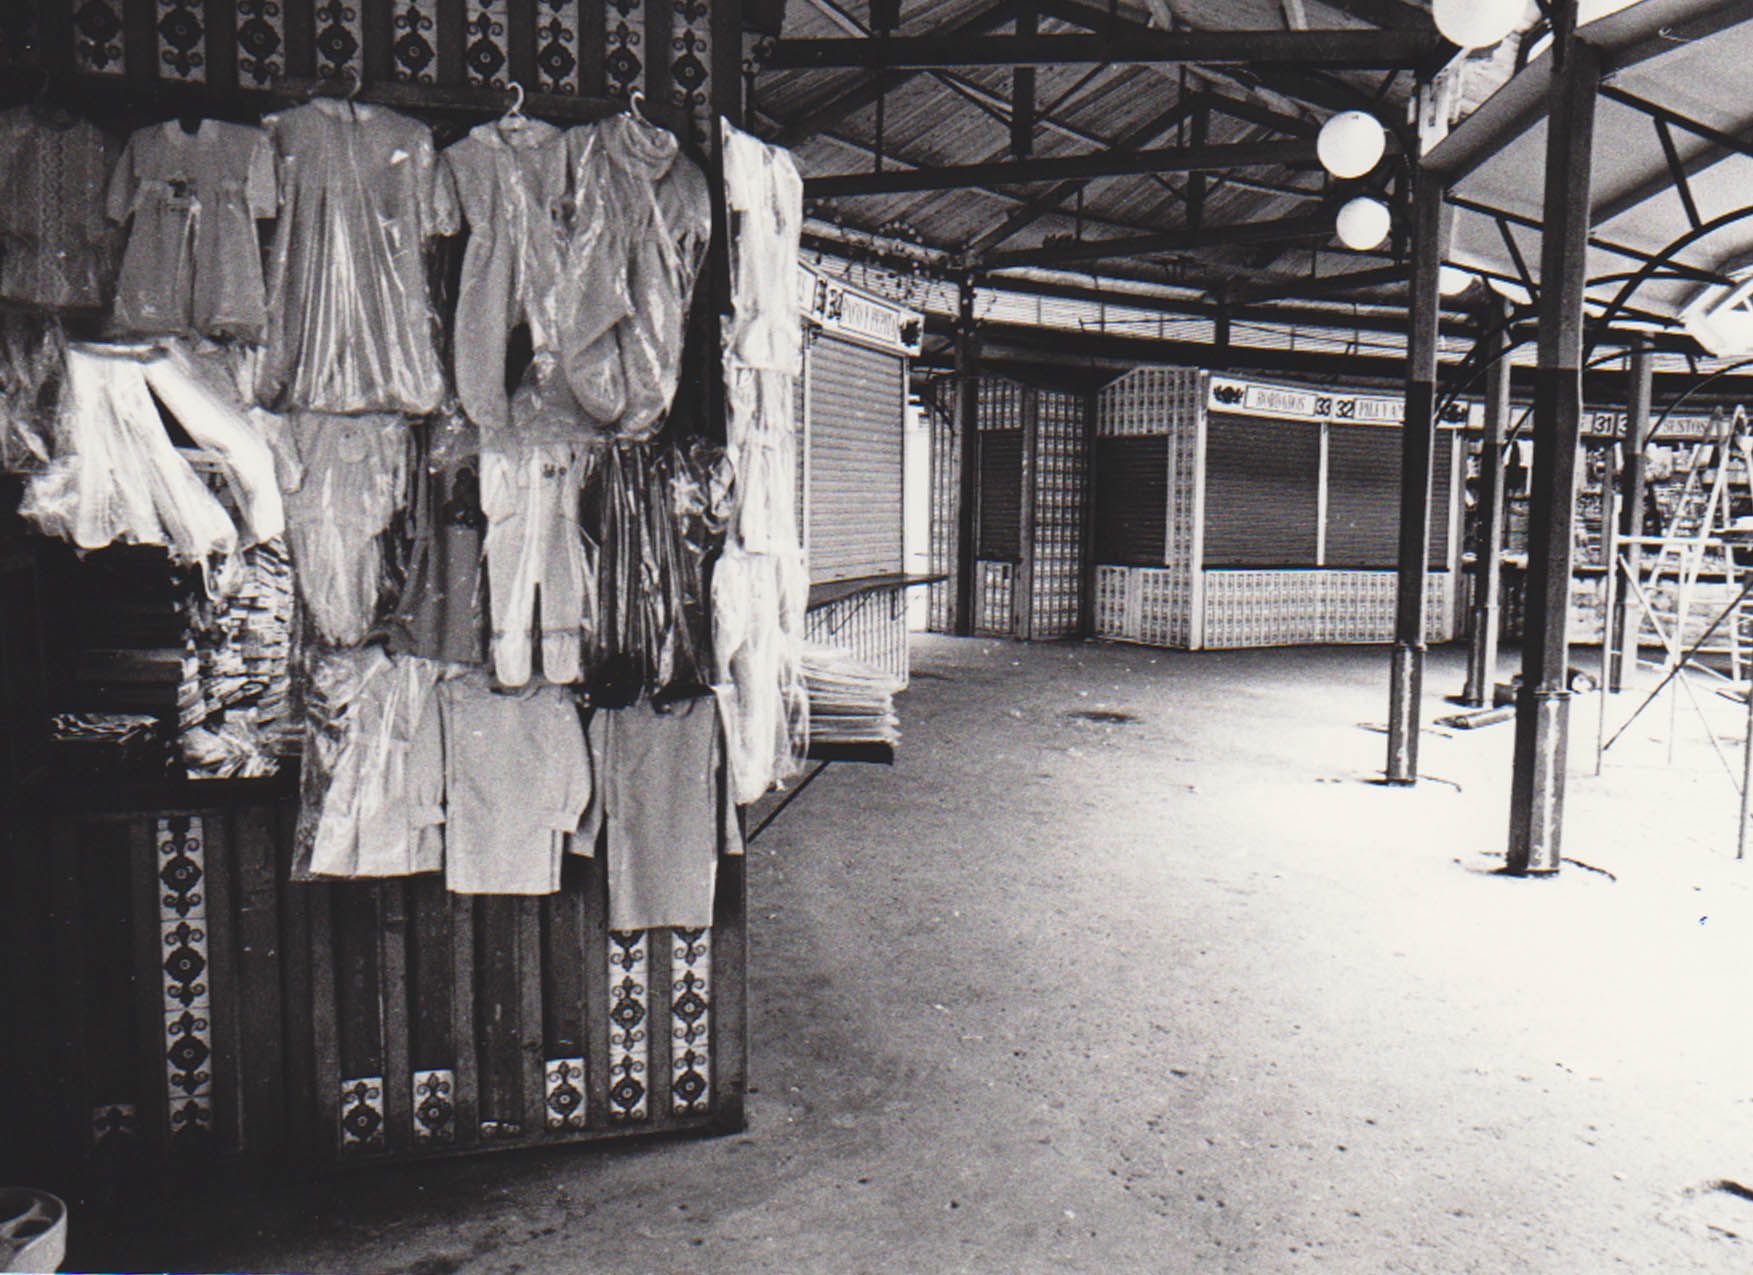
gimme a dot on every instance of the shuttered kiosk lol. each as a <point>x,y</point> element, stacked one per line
<point>852,414</point>
<point>1234,513</point>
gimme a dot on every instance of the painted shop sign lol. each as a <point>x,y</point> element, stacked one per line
<point>836,306</point>
<point>1290,403</point>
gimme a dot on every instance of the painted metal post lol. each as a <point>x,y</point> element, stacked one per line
<point>967,431</point>
<point>1543,703</point>
<point>1430,216</point>
<point>1488,554</point>
<point>1627,620</point>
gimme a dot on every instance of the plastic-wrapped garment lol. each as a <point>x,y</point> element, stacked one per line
<point>537,559</point>
<point>373,786</point>
<point>351,477</point>
<point>757,627</point>
<point>439,604</point>
<point>643,218</point>
<point>662,796</point>
<point>33,358</point>
<point>764,197</point>
<point>517,780</point>
<point>234,705</point>
<point>56,249</point>
<point>115,475</point>
<point>647,507</point>
<point>193,262</point>
<point>198,399</point>
<point>351,326</point>
<point>763,449</point>
<point>513,188</point>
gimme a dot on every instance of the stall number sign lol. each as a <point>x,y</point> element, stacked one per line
<point>836,307</point>
<point>1285,403</point>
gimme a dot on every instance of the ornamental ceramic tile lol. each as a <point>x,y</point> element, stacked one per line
<point>557,45</point>
<point>434,1107</point>
<point>340,39</point>
<point>97,37</point>
<point>412,54</point>
<point>484,43</point>
<point>563,1089</point>
<point>184,974</point>
<point>690,1022</point>
<point>113,1122</point>
<point>624,45</point>
<point>362,1118</point>
<point>629,1020</point>
<point>182,41</point>
<point>261,42</point>
<point>690,63</point>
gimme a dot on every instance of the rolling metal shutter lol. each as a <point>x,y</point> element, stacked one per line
<point>1131,512</point>
<point>1363,497</point>
<point>857,398</point>
<point>1262,499</point>
<point>1000,511</point>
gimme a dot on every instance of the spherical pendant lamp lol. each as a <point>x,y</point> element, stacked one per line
<point>1363,223</point>
<point>1477,24</point>
<point>1351,143</point>
<point>1452,281</point>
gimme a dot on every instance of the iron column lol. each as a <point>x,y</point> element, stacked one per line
<point>1543,703</point>
<point>967,426</point>
<point>1418,434</point>
<point>1488,516</point>
<point>1626,621</point>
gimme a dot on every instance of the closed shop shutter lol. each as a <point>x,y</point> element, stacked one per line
<point>1131,514</point>
<point>856,405</point>
<point>1262,498</point>
<point>1363,497</point>
<point>1000,510</point>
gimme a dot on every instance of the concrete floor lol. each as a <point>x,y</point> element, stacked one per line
<point>1175,988</point>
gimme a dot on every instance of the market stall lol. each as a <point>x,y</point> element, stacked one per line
<point>1236,513</point>
<point>400,493</point>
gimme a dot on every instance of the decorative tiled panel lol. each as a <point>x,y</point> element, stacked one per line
<point>872,626</point>
<point>629,1023</point>
<point>485,48</point>
<point>97,36</point>
<point>563,1092</point>
<point>946,499</point>
<point>1110,594</point>
<point>690,58</point>
<point>339,38</point>
<point>993,583</point>
<point>690,1022</point>
<point>362,1117</point>
<point>1001,404</point>
<point>413,56</point>
<point>1279,608</point>
<point>624,69</point>
<point>557,45</point>
<point>114,1122</point>
<point>1148,400</point>
<point>434,1107</point>
<point>182,41</point>
<point>261,41</point>
<point>1165,606</point>
<point>184,969</point>
<point>1061,491</point>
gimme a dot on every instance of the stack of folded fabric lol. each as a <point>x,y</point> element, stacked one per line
<point>850,702</point>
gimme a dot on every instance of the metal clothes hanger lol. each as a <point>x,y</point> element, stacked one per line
<point>514,118</point>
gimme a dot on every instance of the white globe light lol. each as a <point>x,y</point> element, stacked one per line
<point>1452,281</point>
<point>1363,223</point>
<point>1351,143</point>
<point>1477,24</point>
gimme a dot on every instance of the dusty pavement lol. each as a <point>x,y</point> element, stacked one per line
<point>1127,966</point>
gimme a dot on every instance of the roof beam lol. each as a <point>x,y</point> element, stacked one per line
<point>1281,230</point>
<point>1393,14</point>
<point>870,87</point>
<point>1324,286</point>
<point>1353,50</point>
<point>1047,201</point>
<point>1174,159</point>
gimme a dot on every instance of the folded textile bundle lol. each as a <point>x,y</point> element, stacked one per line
<point>850,702</point>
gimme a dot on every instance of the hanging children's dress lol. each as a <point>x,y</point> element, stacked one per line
<point>193,263</point>
<point>351,326</point>
<point>56,248</point>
